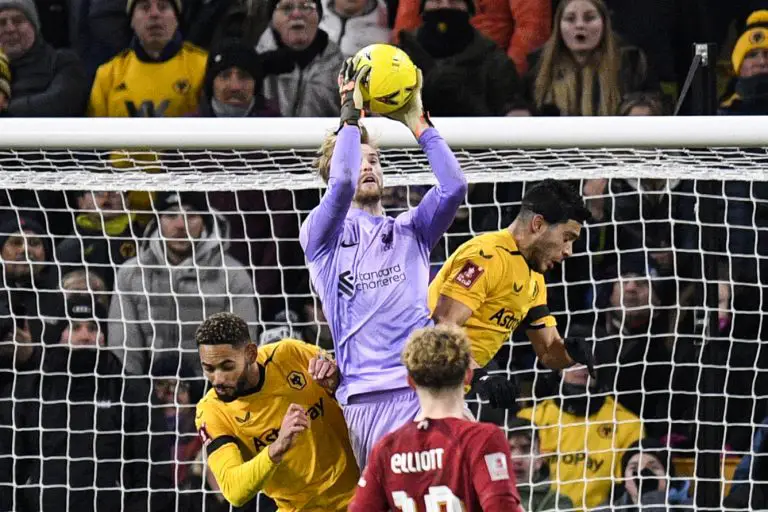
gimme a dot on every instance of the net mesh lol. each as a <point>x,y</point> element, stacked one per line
<point>672,227</point>
<point>216,170</point>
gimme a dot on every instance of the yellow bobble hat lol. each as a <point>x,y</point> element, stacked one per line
<point>5,75</point>
<point>754,37</point>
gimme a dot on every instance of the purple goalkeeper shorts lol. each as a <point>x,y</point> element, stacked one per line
<point>371,416</point>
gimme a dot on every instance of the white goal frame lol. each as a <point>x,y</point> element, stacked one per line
<point>307,133</point>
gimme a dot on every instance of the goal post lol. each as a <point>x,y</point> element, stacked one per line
<point>687,197</point>
<point>307,133</point>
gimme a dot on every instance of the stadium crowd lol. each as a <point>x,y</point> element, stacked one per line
<point>138,272</point>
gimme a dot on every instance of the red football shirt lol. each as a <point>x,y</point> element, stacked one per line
<point>445,465</point>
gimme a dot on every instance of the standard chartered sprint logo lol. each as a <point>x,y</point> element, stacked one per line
<point>370,280</point>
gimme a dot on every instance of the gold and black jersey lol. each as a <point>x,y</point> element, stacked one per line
<point>318,472</point>
<point>490,276</point>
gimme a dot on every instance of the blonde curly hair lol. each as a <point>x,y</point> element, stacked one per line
<point>437,357</point>
<point>323,161</point>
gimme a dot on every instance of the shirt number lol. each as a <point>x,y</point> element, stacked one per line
<point>439,499</point>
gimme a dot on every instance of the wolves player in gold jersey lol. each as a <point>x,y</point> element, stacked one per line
<point>493,284</point>
<point>267,425</point>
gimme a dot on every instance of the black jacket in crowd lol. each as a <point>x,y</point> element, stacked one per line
<point>82,439</point>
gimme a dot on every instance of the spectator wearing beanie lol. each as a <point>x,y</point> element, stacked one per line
<point>355,24</point>
<point>82,386</point>
<point>465,74</point>
<point>158,76</point>
<point>750,66</point>
<point>233,81</point>
<point>46,82</point>
<point>105,235</point>
<point>30,280</point>
<point>306,85</point>
<point>181,275</point>
<point>518,28</point>
<point>5,84</point>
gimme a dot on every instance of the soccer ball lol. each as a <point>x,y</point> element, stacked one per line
<point>392,79</point>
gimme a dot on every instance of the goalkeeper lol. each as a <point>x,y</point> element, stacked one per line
<point>370,271</point>
<point>493,284</point>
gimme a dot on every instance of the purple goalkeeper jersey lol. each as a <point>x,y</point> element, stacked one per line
<point>372,273</point>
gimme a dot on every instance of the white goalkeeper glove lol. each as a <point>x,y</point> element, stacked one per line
<point>412,114</point>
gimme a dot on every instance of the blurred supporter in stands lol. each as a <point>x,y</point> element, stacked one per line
<point>208,23</point>
<point>81,390</point>
<point>747,493</point>
<point>586,432</point>
<point>354,24</point>
<point>46,82</point>
<point>583,69</point>
<point>465,74</point>
<point>233,83</point>
<point>654,214</point>
<point>29,277</point>
<point>642,104</point>
<point>82,280</point>
<point>649,481</point>
<point>750,65</point>
<point>175,391</point>
<point>5,84</point>
<point>158,76</point>
<point>632,324</point>
<point>16,359</point>
<point>306,85</point>
<point>517,27</point>
<point>105,237</point>
<point>182,274</point>
<point>317,331</point>
<point>537,494</point>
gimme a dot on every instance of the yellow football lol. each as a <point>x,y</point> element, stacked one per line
<point>392,79</point>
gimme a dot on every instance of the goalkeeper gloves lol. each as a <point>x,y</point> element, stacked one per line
<point>497,389</point>
<point>412,114</point>
<point>350,79</point>
<point>580,350</point>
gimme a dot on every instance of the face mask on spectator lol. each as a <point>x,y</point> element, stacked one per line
<point>445,31</point>
<point>752,88</point>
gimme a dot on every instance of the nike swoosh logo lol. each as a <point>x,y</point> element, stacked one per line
<point>517,288</point>
<point>349,244</point>
<point>483,255</point>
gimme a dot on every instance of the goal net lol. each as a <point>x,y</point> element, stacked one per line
<point>668,280</point>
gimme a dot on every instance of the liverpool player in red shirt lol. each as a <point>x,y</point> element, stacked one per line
<point>441,462</point>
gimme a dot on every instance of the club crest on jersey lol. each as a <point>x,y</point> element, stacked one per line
<point>296,380</point>
<point>497,466</point>
<point>468,274</point>
<point>605,430</point>
<point>181,86</point>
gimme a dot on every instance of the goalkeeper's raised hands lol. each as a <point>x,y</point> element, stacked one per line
<point>412,114</point>
<point>350,78</point>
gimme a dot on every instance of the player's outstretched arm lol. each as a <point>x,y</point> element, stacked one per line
<point>325,222</point>
<point>437,209</point>
<point>558,353</point>
<point>241,481</point>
